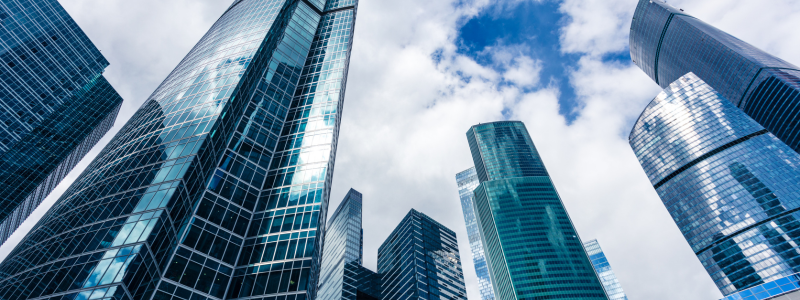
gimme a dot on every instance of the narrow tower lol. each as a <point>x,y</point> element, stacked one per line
<point>532,248</point>
<point>215,187</point>
<point>467,181</point>
<point>603,269</point>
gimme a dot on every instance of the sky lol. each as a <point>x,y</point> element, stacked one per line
<point>423,71</point>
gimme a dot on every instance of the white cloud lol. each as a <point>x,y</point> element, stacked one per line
<point>596,26</point>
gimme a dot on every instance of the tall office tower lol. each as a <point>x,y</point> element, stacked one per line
<point>729,184</point>
<point>344,243</point>
<point>214,188</point>
<point>532,248</point>
<point>666,43</point>
<point>55,104</point>
<point>419,260</point>
<point>603,269</point>
<point>467,182</point>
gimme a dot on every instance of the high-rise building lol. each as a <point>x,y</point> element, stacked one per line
<point>531,246</point>
<point>730,185</point>
<point>666,43</point>
<point>467,181</point>
<point>344,244</point>
<point>603,269</point>
<point>215,187</point>
<point>55,104</point>
<point>361,283</point>
<point>419,260</point>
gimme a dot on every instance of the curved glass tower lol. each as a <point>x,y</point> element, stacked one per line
<point>729,184</point>
<point>214,188</point>
<point>55,104</point>
<point>531,246</point>
<point>666,43</point>
<point>467,181</point>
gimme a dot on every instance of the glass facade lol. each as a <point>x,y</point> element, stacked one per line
<point>361,283</point>
<point>55,103</point>
<point>419,260</point>
<point>215,187</point>
<point>603,269</point>
<point>344,243</point>
<point>467,181</point>
<point>777,290</point>
<point>729,184</point>
<point>666,43</point>
<point>531,246</point>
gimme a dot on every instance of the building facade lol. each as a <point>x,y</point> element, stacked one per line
<point>215,187</point>
<point>467,181</point>
<point>419,260</point>
<point>344,244</point>
<point>55,104</point>
<point>729,184</point>
<point>667,43</point>
<point>531,246</point>
<point>603,269</point>
<point>361,283</point>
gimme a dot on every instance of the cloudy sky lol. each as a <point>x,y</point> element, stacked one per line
<point>423,71</point>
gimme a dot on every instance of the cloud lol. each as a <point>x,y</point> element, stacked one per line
<point>596,26</point>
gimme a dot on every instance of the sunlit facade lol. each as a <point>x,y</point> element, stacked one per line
<point>467,181</point>
<point>55,104</point>
<point>603,269</point>
<point>730,185</point>
<point>215,187</point>
<point>419,260</point>
<point>666,43</point>
<point>531,246</point>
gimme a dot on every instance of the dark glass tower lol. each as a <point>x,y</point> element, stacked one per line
<point>531,246</point>
<point>467,181</point>
<point>419,260</point>
<point>215,187</point>
<point>55,103</point>
<point>666,43</point>
<point>730,185</point>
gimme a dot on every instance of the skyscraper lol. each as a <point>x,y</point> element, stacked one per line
<point>467,181</point>
<point>730,185</point>
<point>603,269</point>
<point>666,43</point>
<point>55,104</point>
<point>344,244</point>
<point>419,260</point>
<point>215,187</point>
<point>532,248</point>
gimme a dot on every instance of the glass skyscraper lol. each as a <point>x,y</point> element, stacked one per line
<point>730,185</point>
<point>467,182</point>
<point>666,43</point>
<point>344,244</point>
<point>419,260</point>
<point>55,104</point>
<point>531,246</point>
<point>215,187</point>
<point>603,269</point>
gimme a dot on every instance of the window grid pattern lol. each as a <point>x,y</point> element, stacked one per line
<point>420,260</point>
<point>603,269</point>
<point>55,102</point>
<point>769,290</point>
<point>737,208</point>
<point>343,245</point>
<point>467,181</point>
<point>504,150</point>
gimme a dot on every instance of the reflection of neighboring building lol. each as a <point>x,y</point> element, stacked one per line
<point>531,247</point>
<point>603,268</point>
<point>467,181</point>
<point>729,184</point>
<point>55,104</point>
<point>215,187</point>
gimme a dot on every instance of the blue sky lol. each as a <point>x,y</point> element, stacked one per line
<point>422,72</point>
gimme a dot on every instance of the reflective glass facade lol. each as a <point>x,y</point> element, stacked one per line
<point>467,182</point>
<point>531,246</point>
<point>55,103</point>
<point>666,43</point>
<point>419,260</point>
<point>361,283</point>
<point>215,187</point>
<point>343,244</point>
<point>729,184</point>
<point>603,269</point>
